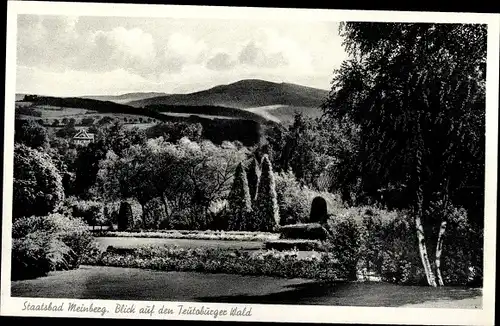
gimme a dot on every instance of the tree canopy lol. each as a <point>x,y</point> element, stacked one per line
<point>417,92</point>
<point>37,188</point>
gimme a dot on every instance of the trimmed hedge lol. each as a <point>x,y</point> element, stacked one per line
<point>311,231</point>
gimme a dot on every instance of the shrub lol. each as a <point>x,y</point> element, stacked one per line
<point>91,211</point>
<point>47,243</point>
<point>36,255</point>
<point>462,259</point>
<point>292,199</point>
<point>345,243</point>
<point>155,214</point>
<point>37,188</point>
<point>304,231</point>
<point>125,218</point>
<point>219,215</point>
<point>319,211</point>
<point>267,216</point>
<point>295,201</point>
<point>401,262</point>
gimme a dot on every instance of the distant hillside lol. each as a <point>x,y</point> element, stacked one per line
<point>19,96</point>
<point>159,112</point>
<point>124,98</point>
<point>83,103</point>
<point>211,110</point>
<point>248,93</point>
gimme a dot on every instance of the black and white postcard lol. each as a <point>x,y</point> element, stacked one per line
<point>249,164</point>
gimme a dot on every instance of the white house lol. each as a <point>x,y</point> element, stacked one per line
<point>82,137</point>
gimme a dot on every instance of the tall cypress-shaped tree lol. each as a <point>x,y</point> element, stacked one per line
<point>239,201</point>
<point>253,172</point>
<point>266,205</point>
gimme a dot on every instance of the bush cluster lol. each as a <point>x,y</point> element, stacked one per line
<point>41,244</point>
<point>91,211</point>
<point>294,200</point>
<point>376,241</point>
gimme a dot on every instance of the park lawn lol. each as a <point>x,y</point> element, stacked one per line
<point>98,282</point>
<point>135,242</point>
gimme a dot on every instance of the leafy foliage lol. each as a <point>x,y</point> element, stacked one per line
<point>91,211</point>
<point>345,243</point>
<point>112,137</point>
<point>175,131</point>
<point>409,87</point>
<point>37,188</point>
<point>31,134</point>
<point>417,94</point>
<point>45,243</point>
<point>294,199</point>
<point>188,177</point>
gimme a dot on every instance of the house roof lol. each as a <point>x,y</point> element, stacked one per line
<point>83,134</point>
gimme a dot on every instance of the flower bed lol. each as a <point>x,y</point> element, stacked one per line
<point>198,235</point>
<point>295,244</point>
<point>215,260</point>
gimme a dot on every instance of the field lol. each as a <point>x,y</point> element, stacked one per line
<point>49,114</point>
<point>284,114</point>
<point>207,116</point>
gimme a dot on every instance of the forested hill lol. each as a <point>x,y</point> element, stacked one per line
<point>244,94</point>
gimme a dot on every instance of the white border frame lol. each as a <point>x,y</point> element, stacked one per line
<point>278,313</point>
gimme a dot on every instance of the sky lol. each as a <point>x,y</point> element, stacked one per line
<point>74,56</point>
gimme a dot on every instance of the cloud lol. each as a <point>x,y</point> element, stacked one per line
<point>252,54</point>
<point>268,48</point>
<point>48,41</point>
<point>129,49</point>
<point>184,46</point>
<point>221,61</point>
<point>64,54</point>
<point>77,83</point>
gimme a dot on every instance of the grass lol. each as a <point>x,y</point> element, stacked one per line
<point>195,235</point>
<point>113,283</point>
<point>129,242</point>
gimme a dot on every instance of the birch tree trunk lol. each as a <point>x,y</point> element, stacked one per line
<point>418,217</point>
<point>423,251</point>
<point>439,250</point>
